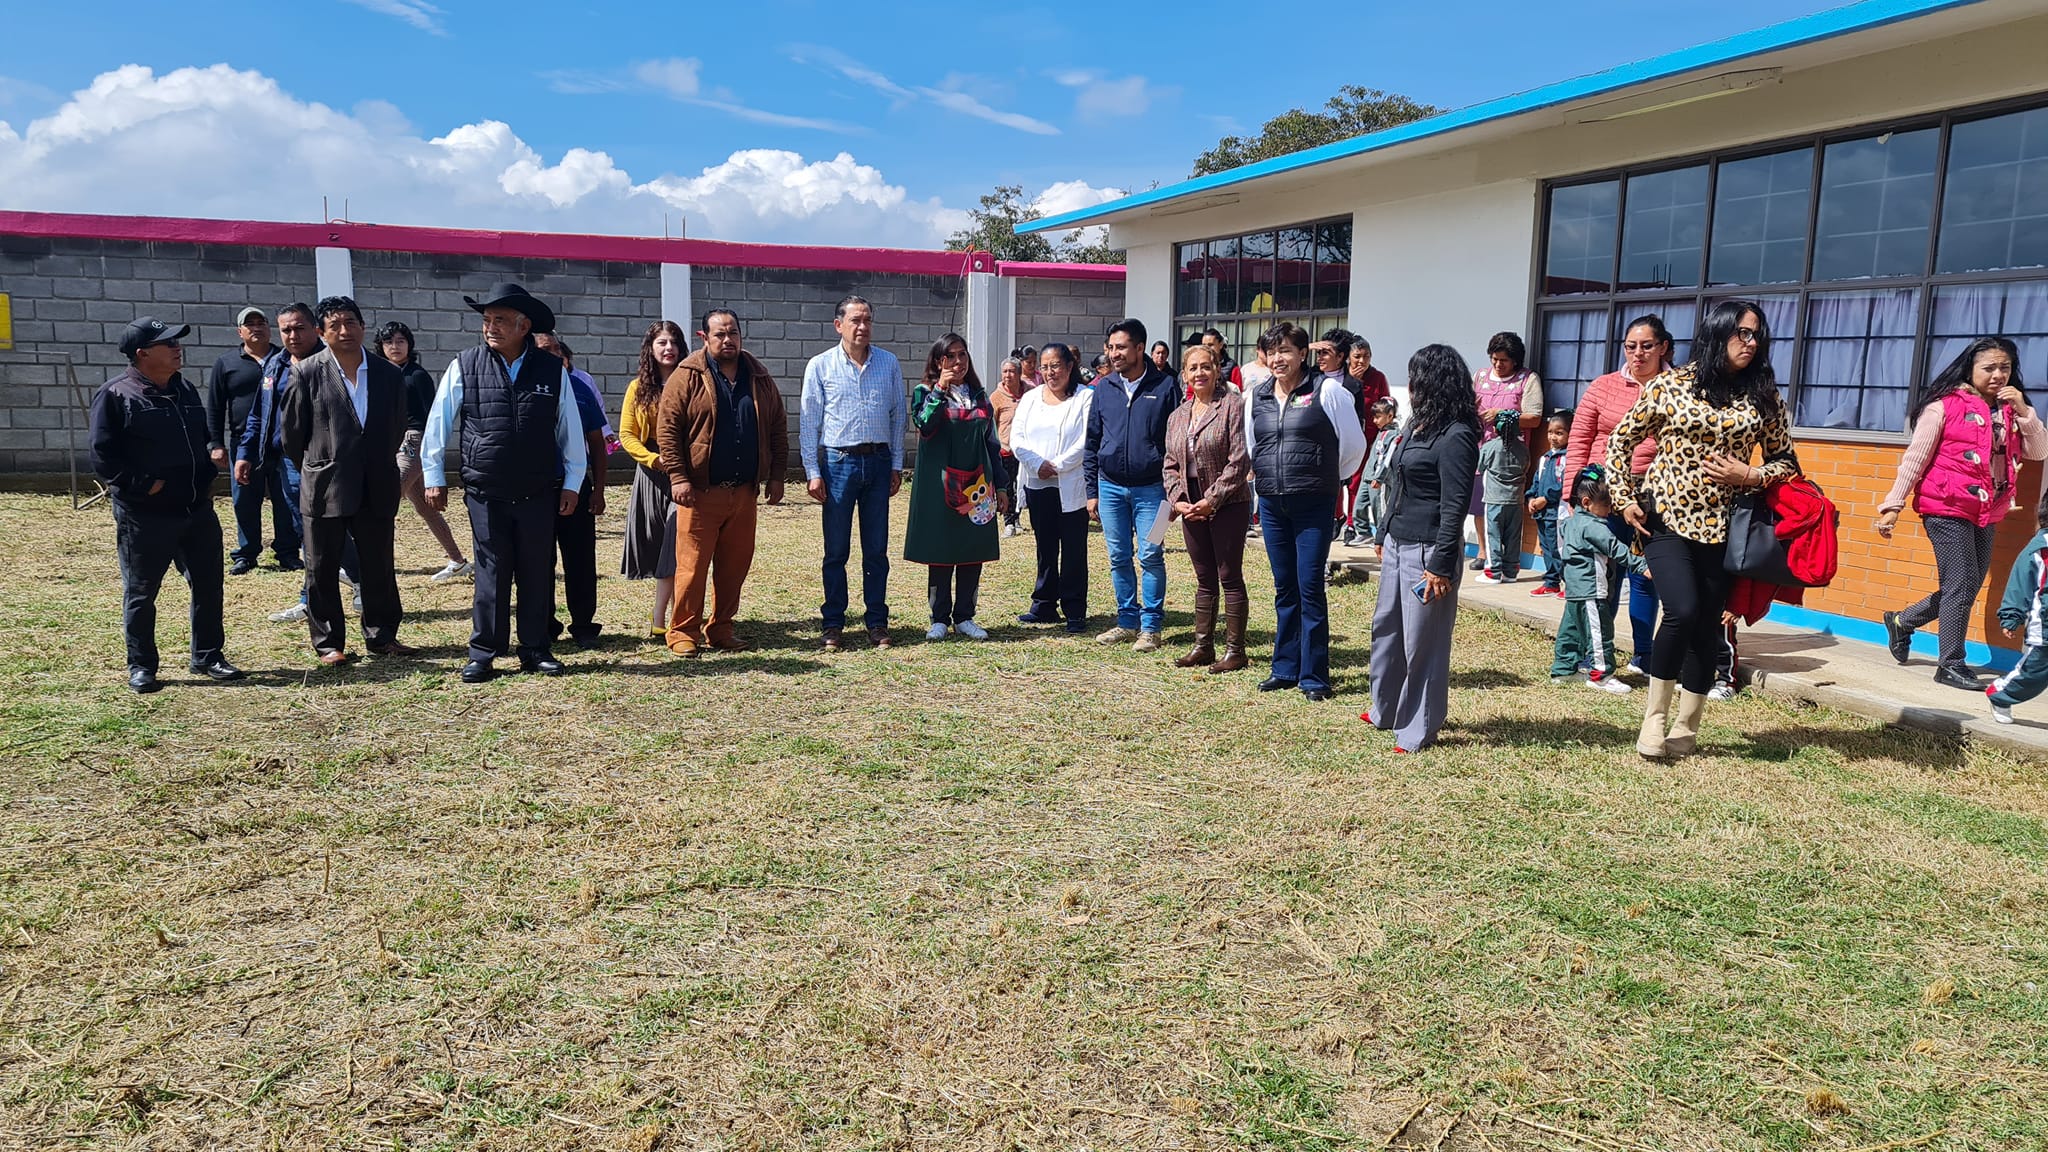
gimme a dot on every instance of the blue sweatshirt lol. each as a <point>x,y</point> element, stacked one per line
<point>2024,591</point>
<point>1126,442</point>
<point>1547,482</point>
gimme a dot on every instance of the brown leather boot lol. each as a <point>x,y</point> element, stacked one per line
<point>1237,609</point>
<point>1205,629</point>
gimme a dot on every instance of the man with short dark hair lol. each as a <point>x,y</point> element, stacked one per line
<point>1121,461</point>
<point>850,433</point>
<point>724,437</point>
<point>232,390</point>
<point>523,462</point>
<point>149,441</point>
<point>342,420</point>
<point>576,533</point>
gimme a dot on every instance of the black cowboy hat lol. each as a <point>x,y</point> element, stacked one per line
<point>518,299</point>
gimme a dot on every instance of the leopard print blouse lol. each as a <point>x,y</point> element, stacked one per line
<point>1688,430</point>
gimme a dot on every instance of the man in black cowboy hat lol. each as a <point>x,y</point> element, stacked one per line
<point>150,444</point>
<point>523,462</point>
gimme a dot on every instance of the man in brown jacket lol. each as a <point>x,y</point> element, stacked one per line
<point>723,437</point>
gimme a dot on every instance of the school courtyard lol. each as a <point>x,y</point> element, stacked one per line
<point>1028,893</point>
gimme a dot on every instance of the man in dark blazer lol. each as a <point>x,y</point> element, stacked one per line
<point>342,420</point>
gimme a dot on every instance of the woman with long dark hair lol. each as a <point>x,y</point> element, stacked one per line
<point>395,343</point>
<point>1421,541</point>
<point>650,549</point>
<point>1972,425</point>
<point>1710,418</point>
<point>1047,437</point>
<point>1646,352</point>
<point>956,495</point>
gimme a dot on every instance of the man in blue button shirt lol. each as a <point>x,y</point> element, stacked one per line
<point>850,433</point>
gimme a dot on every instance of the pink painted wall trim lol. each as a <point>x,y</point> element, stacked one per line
<point>1041,271</point>
<point>463,242</point>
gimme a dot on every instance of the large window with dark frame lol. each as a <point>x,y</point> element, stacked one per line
<point>1242,285</point>
<point>1877,254</point>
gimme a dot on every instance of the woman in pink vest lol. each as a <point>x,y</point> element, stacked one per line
<point>1504,385</point>
<point>1971,428</point>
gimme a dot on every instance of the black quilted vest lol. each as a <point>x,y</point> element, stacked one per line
<point>1294,446</point>
<point>508,426</point>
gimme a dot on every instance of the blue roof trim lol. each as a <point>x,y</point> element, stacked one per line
<point>1791,34</point>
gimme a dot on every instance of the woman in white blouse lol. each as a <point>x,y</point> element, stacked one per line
<point>1046,436</point>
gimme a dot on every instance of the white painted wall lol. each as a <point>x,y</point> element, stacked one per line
<point>1148,291</point>
<point>675,296</point>
<point>334,272</point>
<point>1447,269</point>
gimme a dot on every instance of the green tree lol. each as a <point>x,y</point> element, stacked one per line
<point>995,228</point>
<point>1354,111</point>
<point>1073,251</point>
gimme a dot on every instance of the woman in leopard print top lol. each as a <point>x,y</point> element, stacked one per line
<point>1710,418</point>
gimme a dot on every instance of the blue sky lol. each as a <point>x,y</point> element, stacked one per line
<point>764,121</point>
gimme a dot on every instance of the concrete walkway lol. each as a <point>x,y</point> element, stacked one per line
<point>1845,674</point>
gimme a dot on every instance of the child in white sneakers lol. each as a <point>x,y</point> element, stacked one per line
<point>1590,555</point>
<point>2019,612</point>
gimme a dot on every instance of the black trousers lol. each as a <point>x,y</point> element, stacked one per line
<point>1062,539</point>
<point>376,576</point>
<point>148,543</point>
<point>1692,586</point>
<point>515,548</point>
<point>576,539</point>
<point>1962,558</point>
<point>954,591</point>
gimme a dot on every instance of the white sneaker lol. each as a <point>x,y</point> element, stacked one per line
<point>356,601</point>
<point>2001,713</point>
<point>1721,692</point>
<point>1487,576</point>
<point>455,570</point>
<point>971,630</point>
<point>1609,685</point>
<point>936,632</point>
<point>296,614</point>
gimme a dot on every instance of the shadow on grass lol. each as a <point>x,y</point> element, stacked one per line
<point>1488,678</point>
<point>1881,742</point>
<point>1522,732</point>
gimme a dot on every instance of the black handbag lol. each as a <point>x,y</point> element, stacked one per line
<point>1754,549</point>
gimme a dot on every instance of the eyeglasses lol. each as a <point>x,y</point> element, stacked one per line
<point>1747,335</point>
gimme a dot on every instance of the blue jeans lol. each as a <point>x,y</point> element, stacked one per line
<point>1297,531</point>
<point>1127,515</point>
<point>285,528</point>
<point>857,484</point>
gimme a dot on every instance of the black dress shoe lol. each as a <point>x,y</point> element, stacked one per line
<point>219,670</point>
<point>545,665</point>
<point>1897,637</point>
<point>1315,695</point>
<point>143,680</point>
<point>1950,678</point>
<point>1275,684</point>
<point>241,567</point>
<point>1035,618</point>
<point>291,565</point>
<point>478,671</point>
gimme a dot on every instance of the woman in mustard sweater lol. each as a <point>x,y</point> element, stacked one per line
<point>650,551</point>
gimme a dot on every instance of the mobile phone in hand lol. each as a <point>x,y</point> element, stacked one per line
<point>1421,590</point>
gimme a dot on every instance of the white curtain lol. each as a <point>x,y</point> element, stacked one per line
<point>2019,312</point>
<point>1859,359</point>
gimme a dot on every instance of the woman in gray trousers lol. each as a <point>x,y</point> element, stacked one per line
<point>1422,546</point>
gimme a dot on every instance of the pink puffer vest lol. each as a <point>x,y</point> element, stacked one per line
<point>1959,482</point>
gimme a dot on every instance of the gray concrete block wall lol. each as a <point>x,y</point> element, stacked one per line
<point>1076,312</point>
<point>76,295</point>
<point>786,315</point>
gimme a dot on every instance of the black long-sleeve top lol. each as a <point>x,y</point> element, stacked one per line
<point>1432,485</point>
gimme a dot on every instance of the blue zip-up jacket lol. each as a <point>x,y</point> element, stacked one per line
<point>1547,482</point>
<point>1126,442</point>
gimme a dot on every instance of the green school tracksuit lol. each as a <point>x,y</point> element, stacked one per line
<point>1588,552</point>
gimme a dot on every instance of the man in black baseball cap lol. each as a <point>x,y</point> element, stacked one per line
<point>149,442</point>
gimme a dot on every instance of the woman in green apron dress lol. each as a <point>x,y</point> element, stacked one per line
<point>956,492</point>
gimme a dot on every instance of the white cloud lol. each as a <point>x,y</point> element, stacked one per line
<point>950,94</point>
<point>220,142</point>
<point>1097,97</point>
<point>967,105</point>
<point>418,13</point>
<point>1072,196</point>
<point>681,79</point>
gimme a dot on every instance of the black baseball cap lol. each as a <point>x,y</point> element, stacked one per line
<point>148,331</point>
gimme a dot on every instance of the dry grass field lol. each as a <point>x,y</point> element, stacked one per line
<point>1024,894</point>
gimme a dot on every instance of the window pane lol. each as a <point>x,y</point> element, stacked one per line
<point>1223,265</point>
<point>1190,291</point>
<point>1574,348</point>
<point>1679,316</point>
<point>1255,272</point>
<point>1579,244</point>
<point>1333,265</point>
<point>1296,266</point>
<point>1760,217</point>
<point>1665,230</point>
<point>2018,312</point>
<point>1858,361</point>
<point>1876,204</point>
<point>1994,203</point>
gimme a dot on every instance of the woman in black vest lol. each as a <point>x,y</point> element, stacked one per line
<point>1421,540</point>
<point>1305,441</point>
